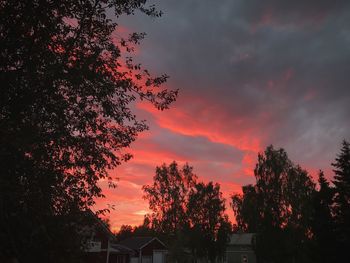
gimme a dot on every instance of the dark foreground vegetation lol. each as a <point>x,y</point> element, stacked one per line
<point>65,119</point>
<point>296,219</point>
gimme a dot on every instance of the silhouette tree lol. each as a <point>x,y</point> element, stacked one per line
<point>65,117</point>
<point>342,199</point>
<point>144,229</point>
<point>223,237</point>
<point>124,232</point>
<point>245,208</point>
<point>206,208</point>
<point>188,214</point>
<point>283,198</point>
<point>323,225</point>
<point>168,196</point>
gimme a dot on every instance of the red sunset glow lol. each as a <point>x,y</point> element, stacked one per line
<point>247,87</point>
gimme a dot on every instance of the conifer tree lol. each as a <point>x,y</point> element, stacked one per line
<point>342,198</point>
<point>323,225</point>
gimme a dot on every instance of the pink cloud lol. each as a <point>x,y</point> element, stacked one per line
<point>216,126</point>
<point>311,94</point>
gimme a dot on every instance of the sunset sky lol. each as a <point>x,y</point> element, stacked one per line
<point>250,73</point>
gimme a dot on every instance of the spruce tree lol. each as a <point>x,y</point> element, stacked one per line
<point>342,198</point>
<point>323,225</point>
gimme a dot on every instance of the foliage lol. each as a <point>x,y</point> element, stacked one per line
<point>282,197</point>
<point>246,209</point>
<point>206,208</point>
<point>223,237</point>
<point>124,232</point>
<point>323,223</point>
<point>284,191</point>
<point>190,214</point>
<point>65,116</point>
<point>168,196</point>
<point>342,198</point>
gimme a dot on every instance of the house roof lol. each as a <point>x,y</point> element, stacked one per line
<point>137,243</point>
<point>120,249</point>
<point>242,239</point>
<point>98,224</point>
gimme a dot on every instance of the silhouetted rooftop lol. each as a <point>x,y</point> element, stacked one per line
<point>137,243</point>
<point>121,249</point>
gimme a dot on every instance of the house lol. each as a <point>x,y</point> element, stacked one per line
<point>240,248</point>
<point>146,249</point>
<point>101,246</point>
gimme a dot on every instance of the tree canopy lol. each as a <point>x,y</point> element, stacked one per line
<point>342,197</point>
<point>66,116</point>
<point>209,224</point>
<point>190,213</point>
<point>168,196</point>
<point>323,226</point>
<point>282,197</point>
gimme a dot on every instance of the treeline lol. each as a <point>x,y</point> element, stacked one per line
<point>296,219</point>
<point>189,215</point>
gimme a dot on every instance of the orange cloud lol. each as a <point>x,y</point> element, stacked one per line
<point>125,203</point>
<point>194,118</point>
<point>216,126</point>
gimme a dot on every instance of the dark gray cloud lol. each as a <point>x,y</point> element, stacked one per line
<point>266,71</point>
<point>282,67</point>
<point>290,12</point>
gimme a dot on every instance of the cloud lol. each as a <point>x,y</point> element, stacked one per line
<point>123,203</point>
<point>250,73</point>
<point>298,12</point>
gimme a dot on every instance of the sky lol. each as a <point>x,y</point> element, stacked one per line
<point>250,73</point>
